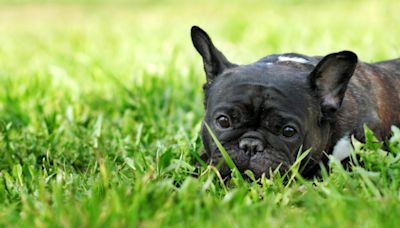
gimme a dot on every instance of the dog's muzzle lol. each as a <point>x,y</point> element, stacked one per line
<point>252,143</point>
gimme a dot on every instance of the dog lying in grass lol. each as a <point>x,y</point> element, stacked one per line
<point>263,113</point>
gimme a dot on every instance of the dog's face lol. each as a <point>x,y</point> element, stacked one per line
<point>263,113</point>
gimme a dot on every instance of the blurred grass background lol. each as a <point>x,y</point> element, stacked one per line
<point>101,103</point>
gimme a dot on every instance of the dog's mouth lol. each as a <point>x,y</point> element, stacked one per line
<point>261,163</point>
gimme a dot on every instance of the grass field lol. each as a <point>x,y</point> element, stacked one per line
<point>101,106</point>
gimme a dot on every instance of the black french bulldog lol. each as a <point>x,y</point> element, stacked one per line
<point>264,112</point>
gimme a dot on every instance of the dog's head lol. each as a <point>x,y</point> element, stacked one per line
<point>263,113</point>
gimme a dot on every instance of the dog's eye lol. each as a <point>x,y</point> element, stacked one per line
<point>288,131</point>
<point>223,121</point>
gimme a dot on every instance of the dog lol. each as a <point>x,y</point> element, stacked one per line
<point>264,113</point>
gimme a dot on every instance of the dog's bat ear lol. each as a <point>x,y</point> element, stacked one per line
<point>330,78</point>
<point>214,61</point>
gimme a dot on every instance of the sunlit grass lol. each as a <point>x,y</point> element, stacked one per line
<point>101,107</point>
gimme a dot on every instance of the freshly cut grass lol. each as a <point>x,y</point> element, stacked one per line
<point>101,107</point>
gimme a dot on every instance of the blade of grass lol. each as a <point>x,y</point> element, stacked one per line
<point>294,169</point>
<point>225,154</point>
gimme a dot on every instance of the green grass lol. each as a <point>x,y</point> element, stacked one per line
<point>101,106</point>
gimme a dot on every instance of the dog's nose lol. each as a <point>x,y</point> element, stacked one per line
<point>251,145</point>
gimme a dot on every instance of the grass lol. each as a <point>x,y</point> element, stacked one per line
<point>101,106</point>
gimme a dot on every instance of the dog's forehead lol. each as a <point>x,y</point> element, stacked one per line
<point>279,68</point>
<point>279,85</point>
<point>285,76</point>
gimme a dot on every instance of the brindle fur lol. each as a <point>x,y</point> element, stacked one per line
<point>372,98</point>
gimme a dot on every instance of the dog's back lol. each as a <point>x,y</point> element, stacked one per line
<point>372,98</point>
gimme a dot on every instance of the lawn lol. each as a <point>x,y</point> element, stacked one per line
<point>101,106</point>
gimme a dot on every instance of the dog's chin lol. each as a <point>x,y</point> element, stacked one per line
<point>239,157</point>
<point>260,163</point>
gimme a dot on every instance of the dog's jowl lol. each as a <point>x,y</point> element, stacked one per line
<point>264,112</point>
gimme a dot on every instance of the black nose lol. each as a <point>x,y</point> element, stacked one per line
<point>251,145</point>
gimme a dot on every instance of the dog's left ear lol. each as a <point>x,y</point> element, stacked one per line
<point>214,61</point>
<point>330,78</point>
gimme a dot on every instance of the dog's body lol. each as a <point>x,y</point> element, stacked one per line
<point>263,113</point>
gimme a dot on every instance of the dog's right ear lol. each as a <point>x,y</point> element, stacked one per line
<point>214,61</point>
<point>330,78</point>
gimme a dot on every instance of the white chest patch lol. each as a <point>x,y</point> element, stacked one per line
<point>342,149</point>
<point>292,59</point>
